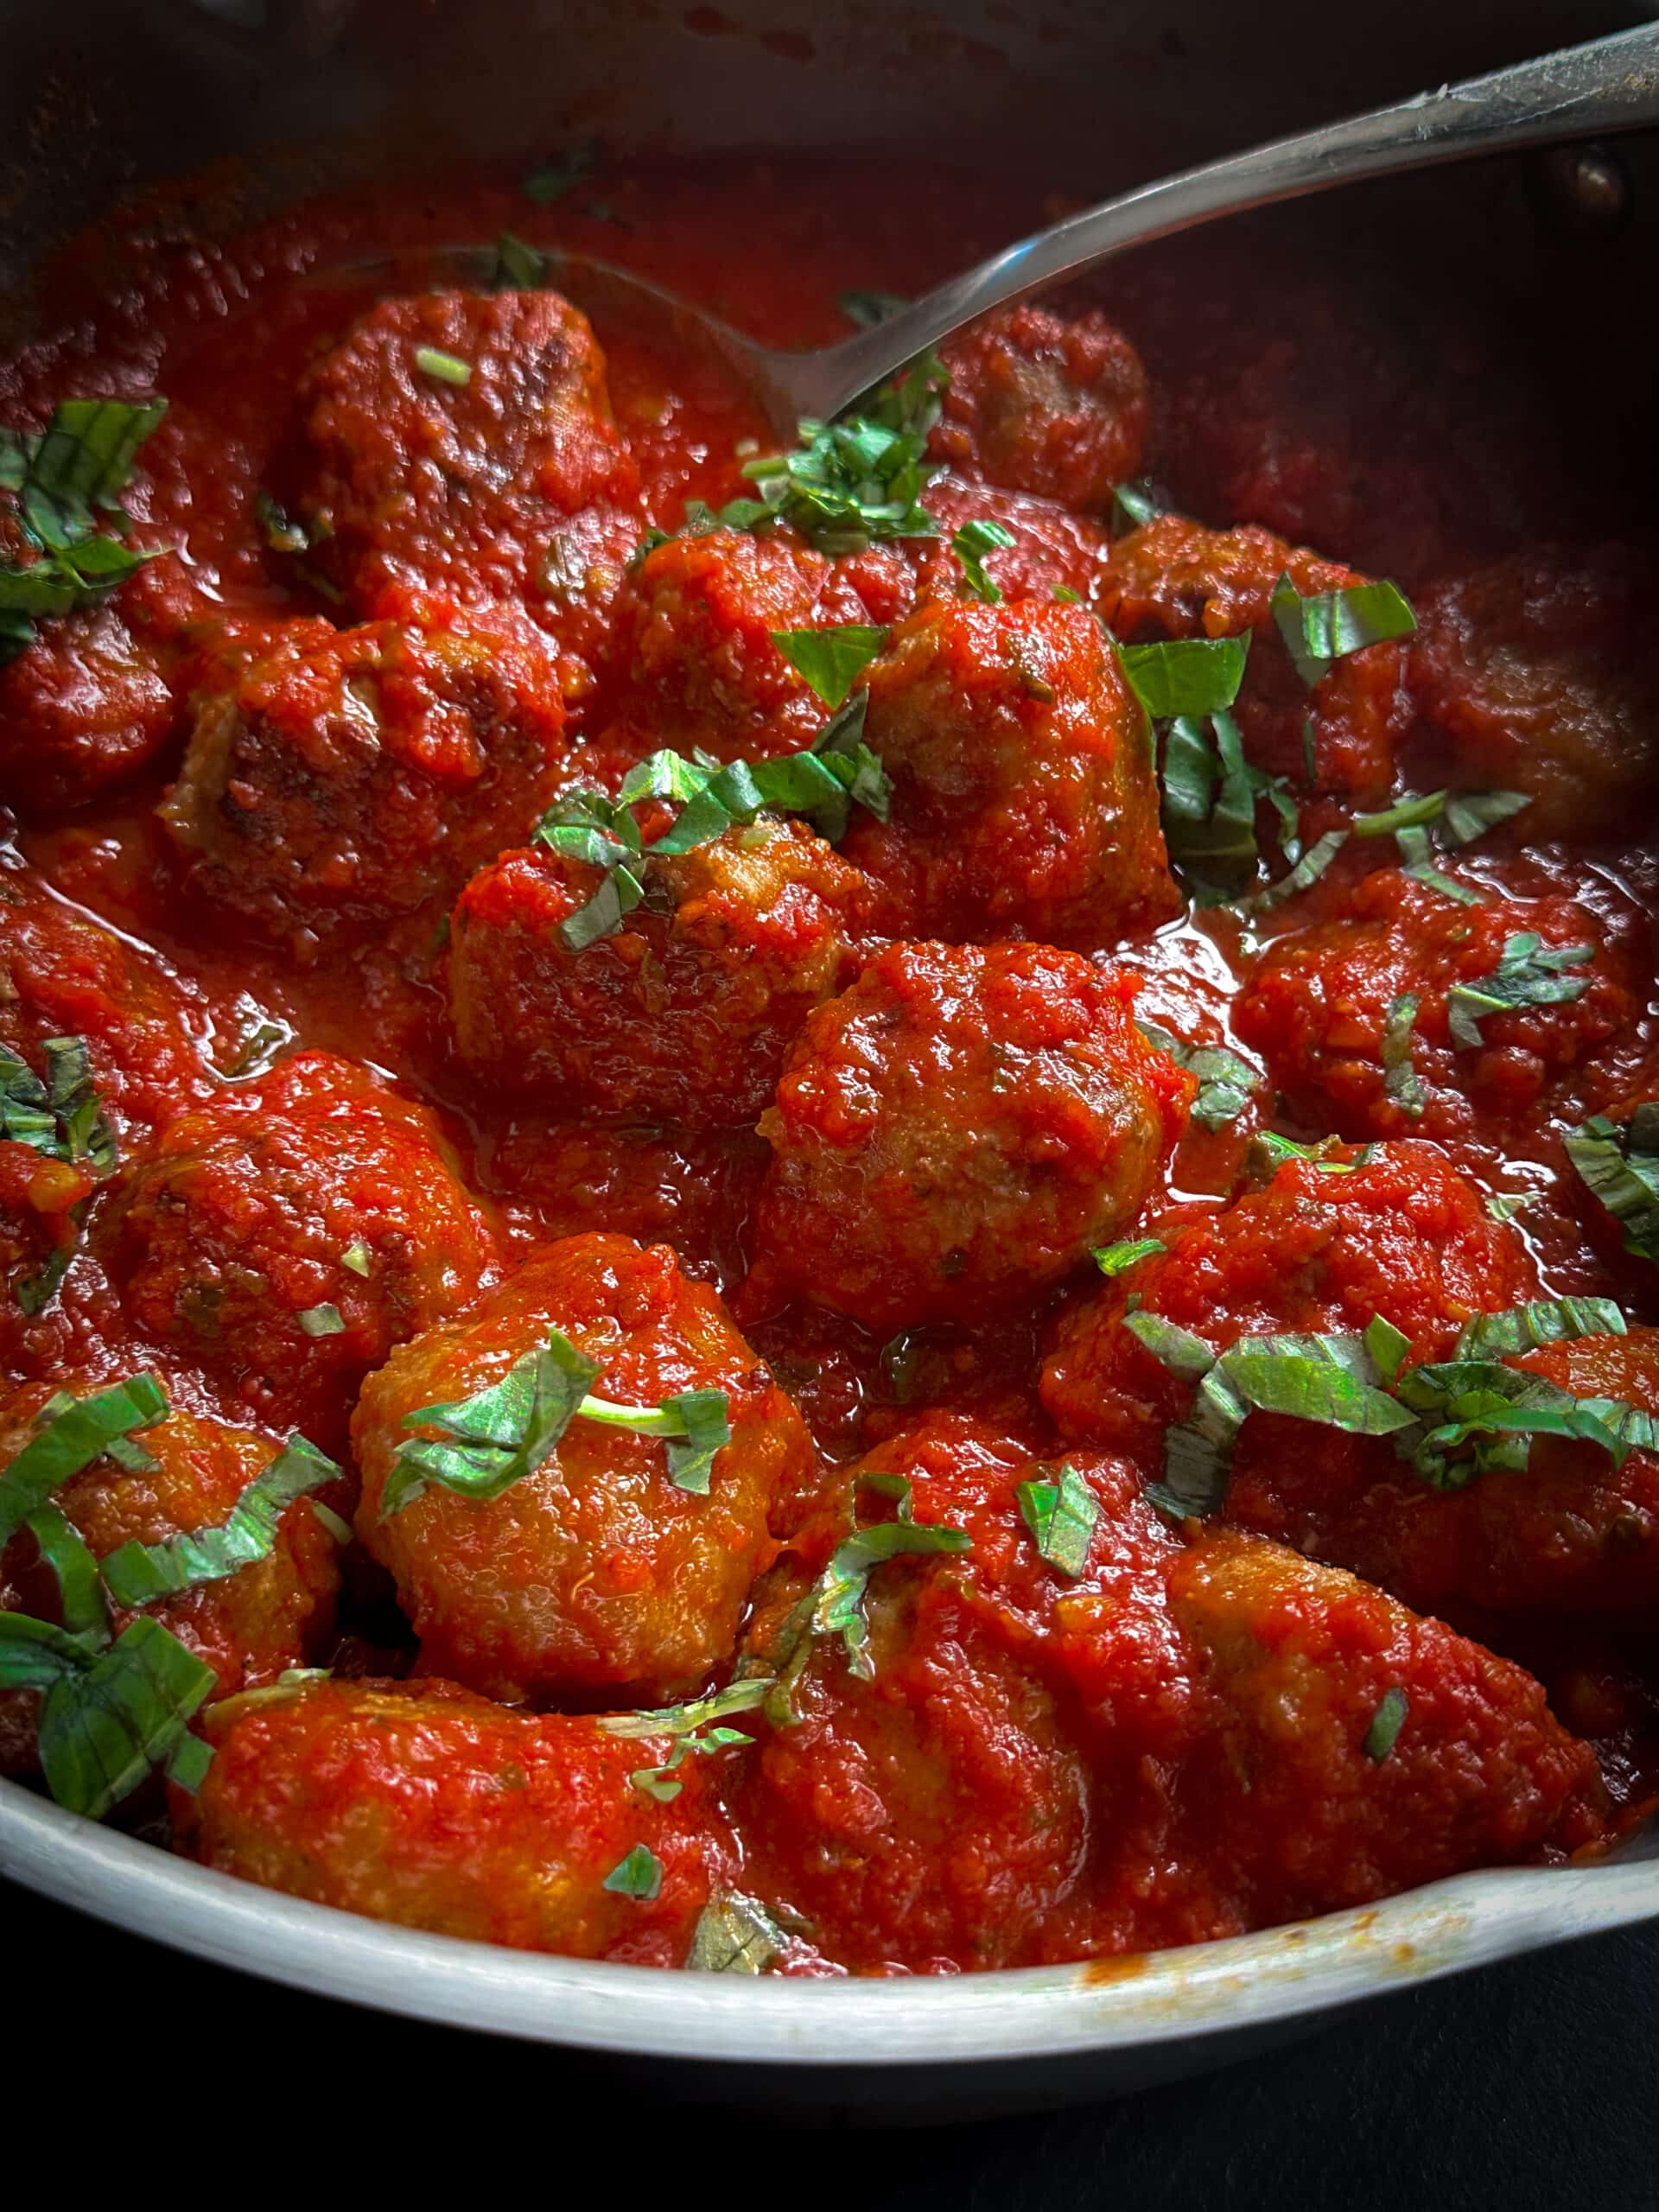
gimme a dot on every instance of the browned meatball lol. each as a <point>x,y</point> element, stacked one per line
<point>1544,672</point>
<point>595,1574</point>
<point>459,482</point>
<point>683,1014</point>
<point>1321,1006</point>
<point>414,1802</point>
<point>1045,403</point>
<point>1176,579</point>
<point>694,660</point>
<point>347,776</point>
<point>958,1130</point>
<point>272,1613</point>
<point>287,1237</point>
<point>1023,797</point>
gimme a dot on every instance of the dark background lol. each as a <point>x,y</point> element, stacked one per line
<point>1531,2084</point>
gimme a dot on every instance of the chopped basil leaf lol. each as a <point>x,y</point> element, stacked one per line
<point>60,1117</point>
<point>324,1320</point>
<point>866,309</point>
<point>686,1719</point>
<point>72,1434</point>
<point>1132,506</point>
<point>900,1358</point>
<point>682,1723</point>
<point>1388,1347</point>
<point>1618,1162</point>
<point>141,1575</point>
<point>733,1934</point>
<point>1546,1321</point>
<point>695,1423</point>
<point>822,782</point>
<point>1306,871</point>
<point>1185,675</point>
<point>338,1529</point>
<point>256,1054</point>
<point>605,912</point>
<point>358,1257</point>
<point>1411,811</point>
<point>442,368</point>
<point>63,482</point>
<point>832,660</point>
<point>638,1875</point>
<point>835,1604</point>
<point>1328,625</point>
<point>1400,1077</point>
<point>1498,1409</point>
<point>108,1718</point>
<point>1504,1206</point>
<point>1269,1152</point>
<point>1386,1723</point>
<point>847,483</point>
<point>1061,1517</point>
<point>1225,1081</point>
<point>80,1593</point>
<point>1209,794</point>
<point>970,544</point>
<point>1173,1347</point>
<point>551,180</point>
<point>1528,974</point>
<point>33,1293</point>
<point>1117,1259</point>
<point>518,267</point>
<point>494,1438</point>
<point>1331,1380</point>
<point>507,1431</point>
<point>1416,856</point>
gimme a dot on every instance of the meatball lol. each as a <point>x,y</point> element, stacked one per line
<point>269,1615</point>
<point>1326,1245</point>
<point>1302,1799</point>
<point>1045,403</point>
<point>87,707</point>
<point>416,1802</point>
<point>287,1237</point>
<point>937,1814</point>
<point>1319,1001</point>
<point>1175,579</point>
<point>683,1015</point>
<point>1542,673</point>
<point>1569,1533</point>
<point>958,1129</point>
<point>595,1574</point>
<point>460,484</point>
<point>1024,794</point>
<point>695,664</point>
<point>62,975</point>
<point>348,776</point>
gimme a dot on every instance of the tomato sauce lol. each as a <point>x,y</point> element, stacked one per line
<point>334,1035</point>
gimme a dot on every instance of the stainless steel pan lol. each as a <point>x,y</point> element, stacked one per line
<point>308,92</point>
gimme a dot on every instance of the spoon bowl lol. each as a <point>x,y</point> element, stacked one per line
<point>1609,85</point>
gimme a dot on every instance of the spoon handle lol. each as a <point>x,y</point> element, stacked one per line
<point>1609,85</point>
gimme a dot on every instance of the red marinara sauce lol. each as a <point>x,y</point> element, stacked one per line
<point>878,1178</point>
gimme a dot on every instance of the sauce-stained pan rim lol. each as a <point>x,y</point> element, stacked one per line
<point>1276,1976</point>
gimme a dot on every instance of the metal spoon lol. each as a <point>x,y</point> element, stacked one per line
<point>1612,84</point>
